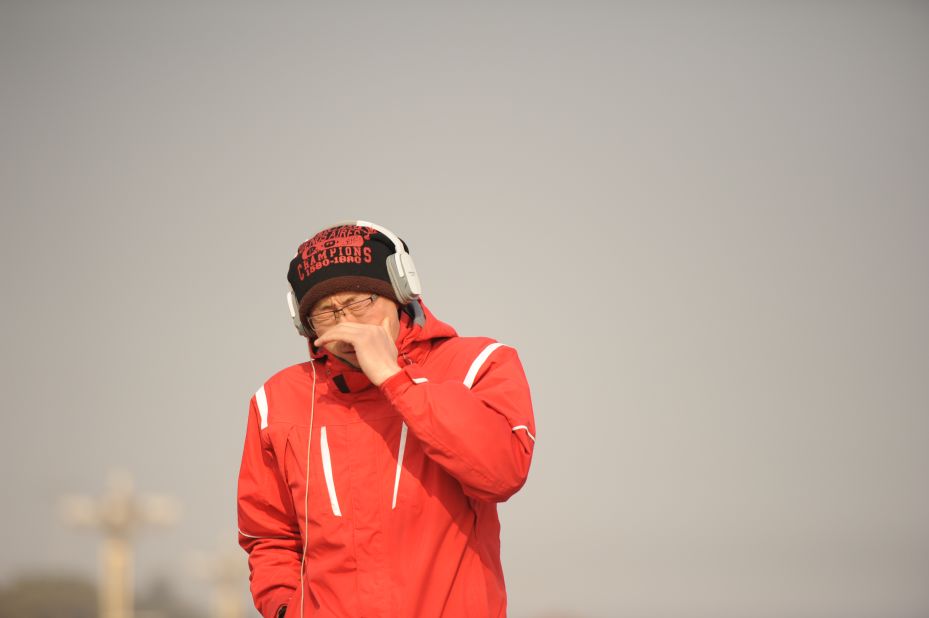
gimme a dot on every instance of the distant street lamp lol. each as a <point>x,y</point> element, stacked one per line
<point>119,514</point>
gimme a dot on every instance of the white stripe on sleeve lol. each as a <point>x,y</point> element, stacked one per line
<point>262,401</point>
<point>479,362</point>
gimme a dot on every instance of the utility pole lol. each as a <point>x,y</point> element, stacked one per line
<point>227,570</point>
<point>118,514</point>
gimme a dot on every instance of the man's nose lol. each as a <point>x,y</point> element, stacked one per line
<point>345,315</point>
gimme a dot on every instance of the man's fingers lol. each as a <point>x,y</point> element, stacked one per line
<point>349,332</point>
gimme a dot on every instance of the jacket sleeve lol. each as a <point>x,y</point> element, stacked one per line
<point>267,524</point>
<point>480,430</point>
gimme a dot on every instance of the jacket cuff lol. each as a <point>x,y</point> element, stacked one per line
<point>279,603</point>
<point>402,381</point>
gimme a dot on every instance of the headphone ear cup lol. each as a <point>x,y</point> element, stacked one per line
<point>403,277</point>
<point>295,313</point>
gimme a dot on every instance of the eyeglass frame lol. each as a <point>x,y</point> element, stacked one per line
<point>335,312</point>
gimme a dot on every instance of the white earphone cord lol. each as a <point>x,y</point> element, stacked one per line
<point>306,492</point>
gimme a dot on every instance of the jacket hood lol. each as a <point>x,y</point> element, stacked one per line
<point>419,328</point>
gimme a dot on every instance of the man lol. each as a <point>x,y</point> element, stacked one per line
<point>371,474</point>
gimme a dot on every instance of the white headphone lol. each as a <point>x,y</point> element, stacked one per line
<point>400,269</point>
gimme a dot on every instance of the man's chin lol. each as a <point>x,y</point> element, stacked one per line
<point>350,360</point>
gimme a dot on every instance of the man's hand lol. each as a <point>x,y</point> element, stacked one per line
<point>369,347</point>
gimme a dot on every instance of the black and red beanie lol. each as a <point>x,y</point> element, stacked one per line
<point>341,259</point>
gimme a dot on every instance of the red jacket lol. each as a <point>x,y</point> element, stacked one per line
<point>400,516</point>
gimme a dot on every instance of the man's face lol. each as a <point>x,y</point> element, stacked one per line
<point>356,309</point>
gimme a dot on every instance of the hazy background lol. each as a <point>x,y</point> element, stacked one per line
<point>704,226</point>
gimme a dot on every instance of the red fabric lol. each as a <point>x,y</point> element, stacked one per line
<point>437,553</point>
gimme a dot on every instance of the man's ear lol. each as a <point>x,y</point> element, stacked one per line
<point>311,336</point>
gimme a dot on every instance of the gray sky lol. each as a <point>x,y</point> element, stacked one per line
<point>704,226</point>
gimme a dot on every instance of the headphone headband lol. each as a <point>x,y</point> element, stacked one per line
<point>398,244</point>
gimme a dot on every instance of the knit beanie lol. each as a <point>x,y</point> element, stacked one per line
<point>341,259</point>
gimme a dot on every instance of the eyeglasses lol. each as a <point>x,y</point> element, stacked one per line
<point>355,308</point>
